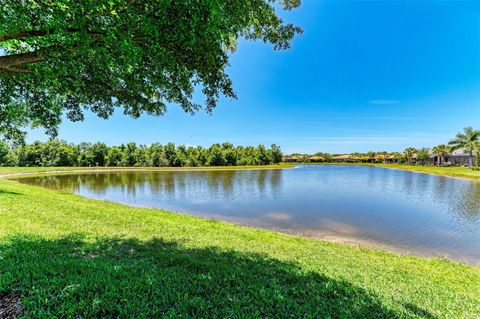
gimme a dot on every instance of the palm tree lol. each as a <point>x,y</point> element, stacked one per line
<point>477,151</point>
<point>422,155</point>
<point>397,156</point>
<point>441,151</point>
<point>371,156</point>
<point>356,156</point>
<point>384,155</point>
<point>409,153</point>
<point>468,141</point>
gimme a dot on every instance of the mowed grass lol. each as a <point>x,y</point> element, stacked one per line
<point>41,170</point>
<point>72,257</point>
<point>464,172</point>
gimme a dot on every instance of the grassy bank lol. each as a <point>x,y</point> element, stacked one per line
<point>446,171</point>
<point>42,170</point>
<point>463,172</point>
<point>68,256</point>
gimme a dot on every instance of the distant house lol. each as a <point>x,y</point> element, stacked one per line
<point>316,158</point>
<point>385,158</point>
<point>341,158</point>
<point>292,159</point>
<point>457,158</point>
<point>358,158</point>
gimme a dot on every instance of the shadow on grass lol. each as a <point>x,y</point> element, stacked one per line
<point>2,191</point>
<point>128,278</point>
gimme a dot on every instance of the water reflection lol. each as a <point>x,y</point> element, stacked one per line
<point>167,184</point>
<point>411,212</point>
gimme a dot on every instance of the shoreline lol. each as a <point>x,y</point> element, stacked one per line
<point>337,239</point>
<point>348,242</point>
<point>429,173</point>
<point>32,171</point>
<point>41,171</point>
<point>331,238</point>
<point>153,253</point>
<point>310,234</point>
<point>413,168</point>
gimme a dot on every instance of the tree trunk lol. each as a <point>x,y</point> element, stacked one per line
<point>17,62</point>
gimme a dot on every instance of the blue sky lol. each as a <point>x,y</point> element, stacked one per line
<point>377,75</point>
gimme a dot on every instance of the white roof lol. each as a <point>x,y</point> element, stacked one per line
<point>460,151</point>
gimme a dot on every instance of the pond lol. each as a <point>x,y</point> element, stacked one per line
<point>395,210</point>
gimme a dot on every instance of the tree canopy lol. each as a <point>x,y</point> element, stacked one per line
<point>61,153</point>
<point>67,56</point>
<point>469,140</point>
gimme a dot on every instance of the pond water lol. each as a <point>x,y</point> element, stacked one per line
<point>396,210</point>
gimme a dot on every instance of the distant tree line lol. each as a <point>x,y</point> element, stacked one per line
<point>468,141</point>
<point>61,153</point>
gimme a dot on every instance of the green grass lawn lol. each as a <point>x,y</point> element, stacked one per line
<point>29,170</point>
<point>439,170</point>
<point>73,257</point>
<point>463,172</point>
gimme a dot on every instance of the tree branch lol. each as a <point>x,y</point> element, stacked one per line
<point>14,63</point>
<point>39,33</point>
<point>22,34</point>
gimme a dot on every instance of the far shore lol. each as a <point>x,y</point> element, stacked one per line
<point>450,171</point>
<point>6,172</point>
<point>458,172</point>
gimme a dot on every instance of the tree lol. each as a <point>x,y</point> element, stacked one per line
<point>30,155</point>
<point>155,156</point>
<point>477,151</point>
<point>67,56</point>
<point>356,156</point>
<point>6,154</point>
<point>383,156</point>
<point>261,155</point>
<point>60,153</point>
<point>99,153</point>
<point>140,156</point>
<point>276,154</point>
<point>171,155</point>
<point>371,156</point>
<point>409,154</point>
<point>56,153</point>
<point>241,156</point>
<point>114,156</point>
<point>441,151</point>
<point>215,156</point>
<point>182,155</point>
<point>86,155</point>
<point>65,155</point>
<point>468,140</point>
<point>229,154</point>
<point>128,158</point>
<point>397,157</point>
<point>423,154</point>
<point>197,156</point>
<point>326,156</point>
